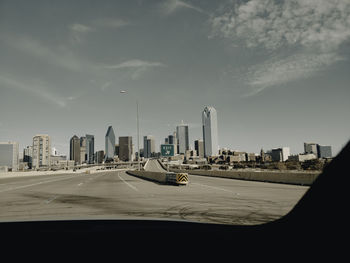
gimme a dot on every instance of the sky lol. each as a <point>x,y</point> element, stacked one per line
<point>277,72</point>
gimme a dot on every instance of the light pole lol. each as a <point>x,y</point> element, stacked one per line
<point>138,134</point>
<point>138,131</point>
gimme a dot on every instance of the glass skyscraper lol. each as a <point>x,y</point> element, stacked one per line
<point>109,144</point>
<point>90,148</point>
<point>210,131</point>
<point>182,135</point>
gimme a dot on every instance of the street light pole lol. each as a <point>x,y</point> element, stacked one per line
<point>138,134</point>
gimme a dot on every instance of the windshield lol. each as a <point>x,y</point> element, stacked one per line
<point>204,111</point>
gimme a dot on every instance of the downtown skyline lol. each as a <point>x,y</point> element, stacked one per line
<point>62,70</point>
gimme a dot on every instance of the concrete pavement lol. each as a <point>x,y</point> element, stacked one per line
<point>117,195</point>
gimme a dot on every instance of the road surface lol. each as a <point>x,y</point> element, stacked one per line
<point>117,195</point>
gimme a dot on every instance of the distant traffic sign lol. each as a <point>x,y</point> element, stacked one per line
<point>167,150</point>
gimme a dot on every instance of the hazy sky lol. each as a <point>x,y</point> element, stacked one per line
<point>277,72</point>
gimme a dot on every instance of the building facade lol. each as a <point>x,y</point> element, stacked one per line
<point>109,144</point>
<point>149,146</point>
<point>41,151</point>
<point>183,139</point>
<point>324,151</point>
<point>199,147</point>
<point>83,150</point>
<point>9,155</point>
<point>74,149</point>
<point>28,155</point>
<point>125,148</point>
<point>310,147</point>
<point>210,131</point>
<point>280,154</point>
<point>90,148</point>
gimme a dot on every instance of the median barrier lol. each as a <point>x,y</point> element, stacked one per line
<point>297,178</point>
<point>159,177</point>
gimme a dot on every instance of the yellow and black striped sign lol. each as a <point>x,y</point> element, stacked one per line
<point>182,178</point>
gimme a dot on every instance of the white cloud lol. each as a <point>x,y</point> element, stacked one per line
<point>324,24</point>
<point>35,88</point>
<point>170,6</point>
<point>110,22</point>
<point>308,32</point>
<point>61,58</point>
<point>106,85</point>
<point>136,63</point>
<point>80,28</point>
<point>78,31</point>
<point>278,71</point>
<point>136,66</point>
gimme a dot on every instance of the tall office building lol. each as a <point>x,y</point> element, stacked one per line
<point>82,149</point>
<point>199,147</point>
<point>9,155</point>
<point>109,144</point>
<point>182,136</point>
<point>90,148</point>
<point>74,149</point>
<point>41,150</point>
<point>149,146</point>
<point>125,148</point>
<point>210,131</point>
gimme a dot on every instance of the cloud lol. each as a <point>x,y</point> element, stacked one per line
<point>136,66</point>
<point>61,58</point>
<point>308,32</point>
<point>324,24</point>
<point>135,63</point>
<point>35,88</point>
<point>106,85</point>
<point>80,28</point>
<point>279,71</point>
<point>110,22</point>
<point>78,31</point>
<point>170,6</point>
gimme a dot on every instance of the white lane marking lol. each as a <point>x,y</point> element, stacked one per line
<point>216,188</point>
<point>51,199</point>
<point>34,184</point>
<point>130,185</point>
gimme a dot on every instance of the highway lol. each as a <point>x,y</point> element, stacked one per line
<point>117,195</point>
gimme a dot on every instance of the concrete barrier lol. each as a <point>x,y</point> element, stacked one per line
<point>286,177</point>
<point>151,176</point>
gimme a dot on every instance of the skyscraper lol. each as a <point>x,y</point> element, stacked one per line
<point>90,148</point>
<point>83,150</point>
<point>109,144</point>
<point>74,149</point>
<point>125,148</point>
<point>9,155</point>
<point>182,136</point>
<point>210,131</point>
<point>199,147</point>
<point>149,146</point>
<point>42,150</point>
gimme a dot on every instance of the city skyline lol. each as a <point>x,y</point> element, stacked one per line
<point>62,71</point>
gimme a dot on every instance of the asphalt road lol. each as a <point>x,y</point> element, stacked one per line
<point>117,195</point>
